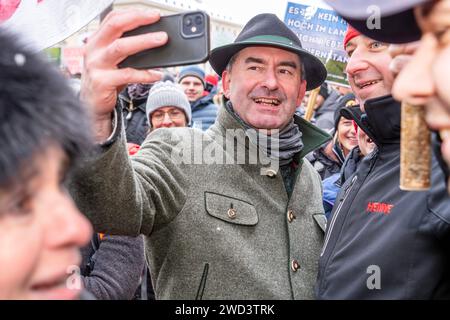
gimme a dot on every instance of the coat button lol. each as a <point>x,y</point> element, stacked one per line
<point>291,216</point>
<point>271,173</point>
<point>231,213</point>
<point>295,265</point>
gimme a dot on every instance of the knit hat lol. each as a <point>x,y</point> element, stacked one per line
<point>350,34</point>
<point>167,94</point>
<point>192,71</point>
<point>346,101</point>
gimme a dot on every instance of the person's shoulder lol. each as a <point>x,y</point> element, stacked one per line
<point>171,134</point>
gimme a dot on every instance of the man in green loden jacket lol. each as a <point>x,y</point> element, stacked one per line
<point>229,213</point>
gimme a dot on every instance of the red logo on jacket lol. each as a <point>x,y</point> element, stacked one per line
<point>379,207</point>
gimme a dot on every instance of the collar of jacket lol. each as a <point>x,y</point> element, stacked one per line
<point>382,117</point>
<point>312,136</point>
<point>124,101</point>
<point>201,102</point>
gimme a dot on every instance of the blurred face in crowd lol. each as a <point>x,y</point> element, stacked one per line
<point>168,117</point>
<point>193,88</point>
<point>366,145</point>
<point>41,232</point>
<point>346,135</point>
<point>426,77</point>
<point>319,102</point>
<point>368,68</point>
<point>264,85</point>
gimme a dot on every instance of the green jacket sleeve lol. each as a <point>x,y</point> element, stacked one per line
<point>126,195</point>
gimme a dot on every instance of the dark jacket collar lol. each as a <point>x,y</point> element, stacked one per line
<point>383,116</point>
<point>381,120</point>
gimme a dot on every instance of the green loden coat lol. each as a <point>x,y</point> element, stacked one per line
<point>267,247</point>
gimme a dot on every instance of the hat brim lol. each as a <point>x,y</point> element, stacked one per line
<point>397,28</point>
<point>361,10</point>
<point>316,73</point>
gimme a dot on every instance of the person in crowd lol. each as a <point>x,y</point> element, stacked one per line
<point>112,266</point>
<point>167,106</point>
<point>207,224</point>
<point>211,84</point>
<point>42,136</point>
<point>325,106</point>
<point>383,242</point>
<point>328,159</point>
<point>132,101</point>
<point>427,59</point>
<point>332,185</point>
<point>204,111</point>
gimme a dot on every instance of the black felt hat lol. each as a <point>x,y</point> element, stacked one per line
<point>397,23</point>
<point>267,30</point>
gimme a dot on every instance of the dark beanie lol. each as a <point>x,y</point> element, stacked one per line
<point>346,101</point>
<point>192,71</point>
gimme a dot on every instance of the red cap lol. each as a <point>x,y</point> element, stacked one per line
<point>212,79</point>
<point>350,34</point>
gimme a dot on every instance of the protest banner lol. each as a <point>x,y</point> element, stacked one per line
<point>321,32</point>
<point>44,23</point>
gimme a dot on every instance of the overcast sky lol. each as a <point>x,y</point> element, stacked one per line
<point>243,10</point>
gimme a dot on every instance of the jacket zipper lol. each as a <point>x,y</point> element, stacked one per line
<point>338,210</point>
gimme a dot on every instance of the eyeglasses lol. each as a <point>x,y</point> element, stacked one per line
<point>173,114</point>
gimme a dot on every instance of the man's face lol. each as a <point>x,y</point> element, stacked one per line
<point>168,117</point>
<point>193,88</point>
<point>41,232</point>
<point>425,78</point>
<point>368,68</point>
<point>265,86</point>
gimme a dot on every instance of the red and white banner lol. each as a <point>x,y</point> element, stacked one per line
<point>44,23</point>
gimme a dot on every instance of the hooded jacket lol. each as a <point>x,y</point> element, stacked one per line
<point>325,114</point>
<point>382,242</point>
<point>135,117</point>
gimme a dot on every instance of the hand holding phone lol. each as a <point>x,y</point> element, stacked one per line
<point>101,80</point>
<point>189,42</point>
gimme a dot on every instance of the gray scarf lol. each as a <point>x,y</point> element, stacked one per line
<point>289,139</point>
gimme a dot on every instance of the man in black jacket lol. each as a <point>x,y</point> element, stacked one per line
<point>382,242</point>
<point>422,66</point>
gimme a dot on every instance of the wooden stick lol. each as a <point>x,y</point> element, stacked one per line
<point>311,102</point>
<point>415,149</point>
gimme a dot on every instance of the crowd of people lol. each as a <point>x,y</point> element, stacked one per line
<point>143,184</point>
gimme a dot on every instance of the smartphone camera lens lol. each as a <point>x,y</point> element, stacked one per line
<point>198,20</point>
<point>193,25</point>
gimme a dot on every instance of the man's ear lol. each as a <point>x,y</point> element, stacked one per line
<point>226,79</point>
<point>301,92</point>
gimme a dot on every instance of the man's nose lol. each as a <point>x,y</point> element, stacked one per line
<point>356,63</point>
<point>414,84</point>
<point>270,80</point>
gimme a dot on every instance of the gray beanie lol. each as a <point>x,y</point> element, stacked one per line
<point>167,94</point>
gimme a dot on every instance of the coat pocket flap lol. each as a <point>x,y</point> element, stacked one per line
<point>230,209</point>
